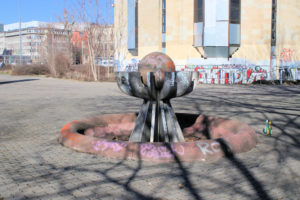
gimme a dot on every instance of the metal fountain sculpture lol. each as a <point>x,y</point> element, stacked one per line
<point>156,82</point>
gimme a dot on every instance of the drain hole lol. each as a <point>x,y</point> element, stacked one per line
<point>81,131</point>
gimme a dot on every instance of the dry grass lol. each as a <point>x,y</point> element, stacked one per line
<point>83,73</point>
<point>62,65</point>
<point>6,69</point>
<point>63,69</point>
<point>33,69</point>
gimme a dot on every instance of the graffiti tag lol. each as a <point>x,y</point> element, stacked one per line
<point>102,145</point>
<point>207,148</point>
<point>227,75</point>
<point>287,55</point>
<point>152,151</point>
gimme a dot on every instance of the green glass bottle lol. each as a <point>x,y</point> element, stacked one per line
<point>266,129</point>
<point>270,129</point>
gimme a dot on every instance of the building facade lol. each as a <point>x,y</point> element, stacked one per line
<point>39,41</point>
<point>26,41</point>
<point>226,40</point>
<point>103,36</point>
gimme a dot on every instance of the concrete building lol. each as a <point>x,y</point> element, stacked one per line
<point>30,36</point>
<point>2,38</point>
<point>240,41</point>
<point>40,39</point>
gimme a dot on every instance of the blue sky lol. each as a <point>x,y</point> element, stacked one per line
<point>36,10</point>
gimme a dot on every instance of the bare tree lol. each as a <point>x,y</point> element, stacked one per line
<point>47,49</point>
<point>120,37</point>
<point>55,49</point>
<point>88,14</point>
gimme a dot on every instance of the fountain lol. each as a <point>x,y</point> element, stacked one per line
<point>157,133</point>
<point>156,83</point>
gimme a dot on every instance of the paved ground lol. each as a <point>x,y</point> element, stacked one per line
<point>34,165</point>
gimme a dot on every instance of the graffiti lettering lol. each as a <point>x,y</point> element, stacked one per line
<point>103,145</point>
<point>152,151</point>
<point>207,148</point>
<point>225,73</point>
<point>228,75</point>
<point>287,55</point>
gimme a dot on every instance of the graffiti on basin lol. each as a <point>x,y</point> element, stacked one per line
<point>209,148</point>
<point>150,150</point>
<point>102,145</point>
<point>153,151</point>
<point>147,150</point>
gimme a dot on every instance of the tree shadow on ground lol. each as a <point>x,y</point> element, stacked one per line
<point>127,182</point>
<point>17,81</point>
<point>125,175</point>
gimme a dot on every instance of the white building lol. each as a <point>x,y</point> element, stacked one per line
<point>31,36</point>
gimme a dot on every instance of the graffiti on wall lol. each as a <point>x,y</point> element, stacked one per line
<point>286,55</point>
<point>128,65</point>
<point>220,74</point>
<point>228,74</point>
<point>289,67</point>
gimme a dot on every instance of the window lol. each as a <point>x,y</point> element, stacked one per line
<point>198,11</point>
<point>163,16</point>
<point>132,27</point>
<point>274,12</point>
<point>235,11</point>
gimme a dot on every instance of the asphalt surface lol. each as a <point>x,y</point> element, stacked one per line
<point>33,165</point>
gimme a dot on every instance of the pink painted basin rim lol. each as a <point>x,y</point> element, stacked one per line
<point>205,139</point>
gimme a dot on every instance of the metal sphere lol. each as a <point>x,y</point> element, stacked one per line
<point>158,63</point>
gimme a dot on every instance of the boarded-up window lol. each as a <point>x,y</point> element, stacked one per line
<point>198,11</point>
<point>235,11</point>
<point>274,13</point>
<point>164,16</point>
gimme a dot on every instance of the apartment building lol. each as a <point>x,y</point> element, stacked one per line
<point>25,40</point>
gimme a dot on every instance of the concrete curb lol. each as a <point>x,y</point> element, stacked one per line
<point>226,137</point>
